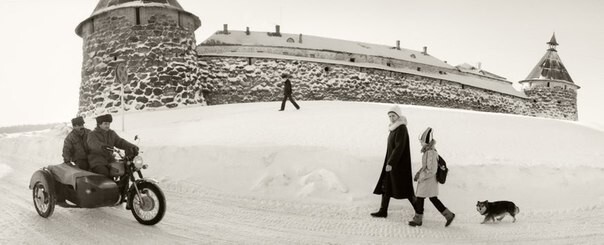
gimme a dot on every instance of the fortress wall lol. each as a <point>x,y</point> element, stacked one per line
<point>234,80</point>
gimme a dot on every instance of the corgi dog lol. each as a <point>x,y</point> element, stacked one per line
<point>497,209</point>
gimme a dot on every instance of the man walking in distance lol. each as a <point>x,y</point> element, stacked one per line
<point>287,93</point>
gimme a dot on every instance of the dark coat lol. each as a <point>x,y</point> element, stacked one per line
<point>98,139</point>
<point>74,147</point>
<point>287,88</point>
<point>397,183</point>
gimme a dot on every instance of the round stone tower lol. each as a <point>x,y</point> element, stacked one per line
<point>154,40</point>
<point>549,86</point>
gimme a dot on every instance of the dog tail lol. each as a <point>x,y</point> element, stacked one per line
<point>517,210</point>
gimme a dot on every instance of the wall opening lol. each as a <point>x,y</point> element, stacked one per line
<point>389,64</point>
<point>548,84</point>
<point>138,16</point>
<point>249,61</point>
<point>91,25</point>
<point>326,69</point>
<point>352,60</point>
<point>291,40</point>
<point>179,22</point>
<point>419,69</point>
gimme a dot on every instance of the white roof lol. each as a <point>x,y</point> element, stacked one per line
<point>321,43</point>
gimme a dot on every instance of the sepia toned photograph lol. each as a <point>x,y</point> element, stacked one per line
<point>301,122</point>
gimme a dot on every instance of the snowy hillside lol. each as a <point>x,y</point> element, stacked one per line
<point>247,173</point>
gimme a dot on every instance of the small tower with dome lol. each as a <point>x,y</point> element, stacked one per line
<point>550,87</point>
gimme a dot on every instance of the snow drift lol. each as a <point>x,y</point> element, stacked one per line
<point>329,154</point>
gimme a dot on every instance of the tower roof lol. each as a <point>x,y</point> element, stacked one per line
<point>550,67</point>
<point>106,5</point>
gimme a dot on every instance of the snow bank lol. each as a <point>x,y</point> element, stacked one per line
<point>333,151</point>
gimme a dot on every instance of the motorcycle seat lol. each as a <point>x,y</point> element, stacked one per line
<point>67,174</point>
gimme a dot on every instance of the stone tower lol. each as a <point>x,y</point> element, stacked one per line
<point>155,40</point>
<point>550,87</point>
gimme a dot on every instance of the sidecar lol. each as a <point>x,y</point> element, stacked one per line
<point>68,186</point>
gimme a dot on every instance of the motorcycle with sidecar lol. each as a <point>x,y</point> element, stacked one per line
<point>67,186</point>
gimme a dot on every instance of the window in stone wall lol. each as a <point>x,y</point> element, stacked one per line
<point>413,56</point>
<point>352,59</point>
<point>91,25</point>
<point>548,84</point>
<point>419,69</point>
<point>463,86</point>
<point>249,61</point>
<point>326,69</point>
<point>138,16</point>
<point>291,40</point>
<point>179,23</point>
<point>389,64</point>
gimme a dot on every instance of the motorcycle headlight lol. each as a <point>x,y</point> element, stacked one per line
<point>138,162</point>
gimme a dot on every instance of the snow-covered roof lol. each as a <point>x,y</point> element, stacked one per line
<point>106,5</point>
<point>498,86</point>
<point>465,67</point>
<point>550,67</point>
<point>321,43</point>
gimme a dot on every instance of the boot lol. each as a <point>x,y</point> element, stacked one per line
<point>417,220</point>
<point>449,216</point>
<point>382,213</point>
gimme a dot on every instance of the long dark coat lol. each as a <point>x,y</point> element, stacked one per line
<point>287,88</point>
<point>397,183</point>
<point>97,140</point>
<point>75,148</point>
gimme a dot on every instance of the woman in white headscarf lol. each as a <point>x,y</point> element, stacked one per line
<point>396,177</point>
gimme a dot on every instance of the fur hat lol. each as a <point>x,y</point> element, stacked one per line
<point>426,136</point>
<point>104,118</point>
<point>77,121</point>
<point>396,109</point>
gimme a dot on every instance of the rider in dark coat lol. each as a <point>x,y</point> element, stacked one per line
<point>75,148</point>
<point>396,177</point>
<point>101,138</point>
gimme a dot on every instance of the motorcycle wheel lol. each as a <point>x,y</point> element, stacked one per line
<point>44,200</point>
<point>151,209</point>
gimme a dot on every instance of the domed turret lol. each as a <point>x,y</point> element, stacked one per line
<point>154,40</point>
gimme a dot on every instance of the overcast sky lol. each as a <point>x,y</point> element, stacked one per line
<point>41,55</point>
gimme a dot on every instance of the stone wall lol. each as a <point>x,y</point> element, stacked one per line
<point>236,80</point>
<point>553,102</point>
<point>159,51</point>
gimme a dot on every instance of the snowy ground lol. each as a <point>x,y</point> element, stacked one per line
<point>246,173</point>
